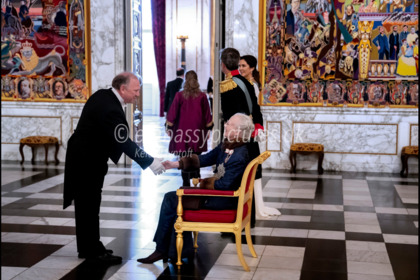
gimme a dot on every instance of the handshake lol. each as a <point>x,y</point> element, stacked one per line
<point>158,167</point>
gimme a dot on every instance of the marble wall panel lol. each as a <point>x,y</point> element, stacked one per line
<point>273,131</point>
<point>57,122</point>
<point>242,18</point>
<point>349,138</point>
<point>14,128</point>
<point>414,135</point>
<point>345,161</point>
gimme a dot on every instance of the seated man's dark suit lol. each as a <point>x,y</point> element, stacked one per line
<point>93,142</point>
<point>171,89</point>
<point>165,235</point>
<point>234,101</point>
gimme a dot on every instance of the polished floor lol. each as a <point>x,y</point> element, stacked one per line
<point>341,225</point>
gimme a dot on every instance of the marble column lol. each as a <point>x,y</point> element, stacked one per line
<point>103,43</point>
<point>119,35</point>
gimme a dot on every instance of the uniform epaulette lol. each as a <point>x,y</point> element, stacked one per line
<point>227,85</point>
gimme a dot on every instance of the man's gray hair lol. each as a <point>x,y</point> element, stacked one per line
<point>245,126</point>
<point>122,79</point>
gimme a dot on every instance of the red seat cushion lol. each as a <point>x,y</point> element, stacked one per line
<point>208,192</point>
<point>248,180</point>
<point>213,216</point>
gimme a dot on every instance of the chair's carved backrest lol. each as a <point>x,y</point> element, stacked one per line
<point>247,184</point>
<point>251,177</point>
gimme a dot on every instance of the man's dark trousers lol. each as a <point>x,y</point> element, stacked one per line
<point>87,204</point>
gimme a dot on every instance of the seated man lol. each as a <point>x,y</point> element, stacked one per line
<point>231,159</point>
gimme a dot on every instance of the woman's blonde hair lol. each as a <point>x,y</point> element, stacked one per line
<point>191,87</point>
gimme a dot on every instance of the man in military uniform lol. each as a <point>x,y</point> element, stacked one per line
<point>234,100</point>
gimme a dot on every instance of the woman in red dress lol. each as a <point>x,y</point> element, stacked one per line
<point>189,122</point>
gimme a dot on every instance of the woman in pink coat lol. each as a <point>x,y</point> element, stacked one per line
<point>189,122</point>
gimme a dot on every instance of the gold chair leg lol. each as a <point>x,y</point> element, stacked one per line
<point>238,238</point>
<point>249,240</point>
<point>195,240</point>
<point>179,245</point>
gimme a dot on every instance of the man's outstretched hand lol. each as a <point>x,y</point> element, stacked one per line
<point>157,166</point>
<point>170,164</point>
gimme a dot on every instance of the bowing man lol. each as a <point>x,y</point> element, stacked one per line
<point>101,134</point>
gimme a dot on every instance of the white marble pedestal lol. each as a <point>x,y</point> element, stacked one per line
<point>354,139</point>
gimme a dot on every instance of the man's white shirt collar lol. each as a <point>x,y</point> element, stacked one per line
<point>119,97</point>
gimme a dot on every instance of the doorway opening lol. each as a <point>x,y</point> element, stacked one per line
<point>150,79</point>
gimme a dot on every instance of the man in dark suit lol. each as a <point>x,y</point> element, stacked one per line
<point>292,18</point>
<point>210,92</point>
<point>101,134</point>
<point>172,88</point>
<point>394,43</point>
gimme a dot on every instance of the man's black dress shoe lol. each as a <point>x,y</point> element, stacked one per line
<point>83,256</point>
<point>106,259</point>
<point>154,257</point>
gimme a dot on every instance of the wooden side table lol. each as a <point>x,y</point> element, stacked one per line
<point>406,152</point>
<point>306,149</point>
<point>36,141</point>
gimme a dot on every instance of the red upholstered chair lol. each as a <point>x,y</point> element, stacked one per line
<point>221,220</point>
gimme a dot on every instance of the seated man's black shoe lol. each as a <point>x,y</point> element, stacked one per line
<point>105,259</point>
<point>154,257</point>
<point>83,256</point>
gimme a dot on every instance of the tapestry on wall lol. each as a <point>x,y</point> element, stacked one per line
<point>45,53</point>
<point>340,52</point>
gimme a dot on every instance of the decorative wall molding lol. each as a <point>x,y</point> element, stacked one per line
<point>414,134</point>
<point>72,123</point>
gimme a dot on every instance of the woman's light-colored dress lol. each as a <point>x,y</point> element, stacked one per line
<point>261,210</point>
<point>407,63</point>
